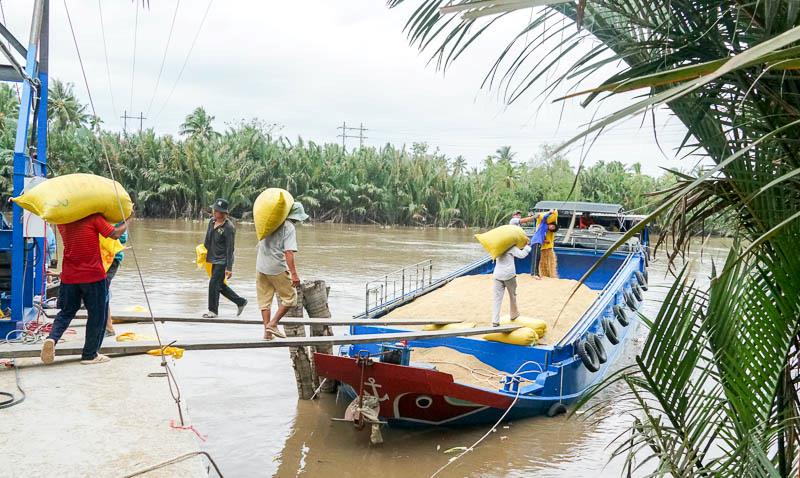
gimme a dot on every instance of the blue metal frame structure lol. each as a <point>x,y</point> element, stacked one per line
<point>29,160</point>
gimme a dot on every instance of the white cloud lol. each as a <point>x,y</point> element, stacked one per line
<point>310,65</point>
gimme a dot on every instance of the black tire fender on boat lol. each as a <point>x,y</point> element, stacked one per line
<point>637,292</point>
<point>621,315</point>
<point>556,409</point>
<point>598,347</point>
<point>611,331</point>
<point>641,279</point>
<point>630,300</point>
<point>588,355</point>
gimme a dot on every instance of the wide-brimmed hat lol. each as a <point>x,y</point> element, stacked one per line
<point>298,212</point>
<point>220,205</point>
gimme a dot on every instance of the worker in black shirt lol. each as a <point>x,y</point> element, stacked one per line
<point>219,242</point>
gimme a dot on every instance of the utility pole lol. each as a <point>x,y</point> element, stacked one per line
<point>125,119</point>
<point>344,134</point>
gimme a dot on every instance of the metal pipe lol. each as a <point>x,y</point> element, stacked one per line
<point>36,22</point>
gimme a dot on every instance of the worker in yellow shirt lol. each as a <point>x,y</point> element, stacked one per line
<point>548,265</point>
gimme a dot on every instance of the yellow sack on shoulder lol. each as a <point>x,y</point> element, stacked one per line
<point>458,326</point>
<point>521,336</point>
<point>72,197</point>
<point>270,210</point>
<point>500,239</point>
<point>201,253</point>
<point>108,249</point>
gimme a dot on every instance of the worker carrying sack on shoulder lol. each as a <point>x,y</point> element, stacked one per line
<point>72,197</point>
<point>270,210</point>
<point>500,239</point>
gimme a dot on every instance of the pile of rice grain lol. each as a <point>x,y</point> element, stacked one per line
<point>469,298</point>
<point>464,368</point>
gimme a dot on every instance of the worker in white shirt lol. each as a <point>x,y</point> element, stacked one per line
<point>518,220</point>
<point>505,278</point>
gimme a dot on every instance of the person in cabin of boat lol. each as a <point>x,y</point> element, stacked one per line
<point>504,278</point>
<point>83,280</point>
<point>220,242</point>
<point>543,262</point>
<point>276,271</point>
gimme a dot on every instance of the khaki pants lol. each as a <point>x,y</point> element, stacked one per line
<point>267,286</point>
<point>500,286</point>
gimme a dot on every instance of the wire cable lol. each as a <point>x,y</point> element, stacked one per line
<point>163,58</point>
<point>171,380</point>
<point>12,399</point>
<point>186,60</point>
<point>105,51</point>
<point>133,66</point>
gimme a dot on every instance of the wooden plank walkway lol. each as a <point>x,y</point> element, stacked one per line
<point>9,351</point>
<point>188,318</point>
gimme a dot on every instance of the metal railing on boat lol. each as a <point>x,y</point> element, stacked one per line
<point>384,289</point>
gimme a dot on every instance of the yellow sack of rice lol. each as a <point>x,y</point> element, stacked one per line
<point>176,352</point>
<point>538,325</point>
<point>500,239</point>
<point>201,253</point>
<point>458,326</point>
<point>521,336</point>
<point>270,210</point>
<point>108,249</point>
<point>72,197</point>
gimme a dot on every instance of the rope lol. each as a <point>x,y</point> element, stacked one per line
<point>489,432</point>
<point>517,373</point>
<point>186,60</point>
<point>105,51</point>
<point>177,459</point>
<point>171,381</point>
<point>164,58</point>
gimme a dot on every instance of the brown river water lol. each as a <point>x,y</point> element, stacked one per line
<point>246,401</point>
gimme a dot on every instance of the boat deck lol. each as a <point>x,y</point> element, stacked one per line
<point>469,298</point>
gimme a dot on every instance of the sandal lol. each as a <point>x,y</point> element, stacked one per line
<point>209,315</point>
<point>268,335</point>
<point>275,331</point>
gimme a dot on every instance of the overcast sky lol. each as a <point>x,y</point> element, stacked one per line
<point>309,66</point>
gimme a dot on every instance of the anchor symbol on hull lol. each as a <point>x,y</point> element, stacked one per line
<point>375,393</point>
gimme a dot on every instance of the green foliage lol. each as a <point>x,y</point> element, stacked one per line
<point>181,177</point>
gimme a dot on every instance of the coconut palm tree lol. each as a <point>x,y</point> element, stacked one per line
<point>198,125</point>
<point>63,107</point>
<point>715,388</point>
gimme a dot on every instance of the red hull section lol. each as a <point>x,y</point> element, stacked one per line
<point>411,393</point>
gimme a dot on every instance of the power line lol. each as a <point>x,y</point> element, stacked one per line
<point>186,60</point>
<point>105,51</point>
<point>135,35</point>
<point>164,58</point>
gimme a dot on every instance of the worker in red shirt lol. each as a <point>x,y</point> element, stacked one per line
<point>83,280</point>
